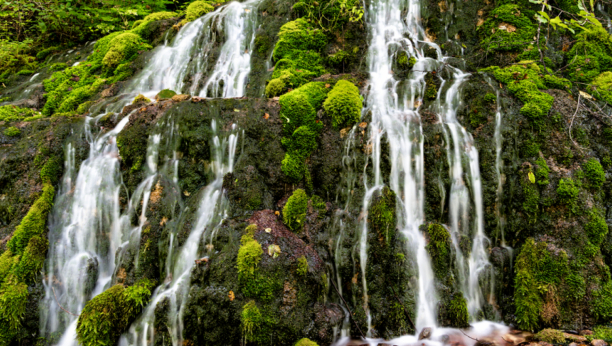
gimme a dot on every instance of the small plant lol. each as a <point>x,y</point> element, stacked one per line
<point>542,172</point>
<point>294,212</point>
<point>249,255</point>
<point>568,191</point>
<point>552,336</point>
<point>458,311</point>
<point>306,342</point>
<point>594,173</point>
<point>12,131</point>
<point>302,269</point>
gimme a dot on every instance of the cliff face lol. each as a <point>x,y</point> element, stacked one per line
<point>274,211</point>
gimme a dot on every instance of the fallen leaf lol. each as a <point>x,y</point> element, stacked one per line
<point>266,116</point>
<point>231,296</point>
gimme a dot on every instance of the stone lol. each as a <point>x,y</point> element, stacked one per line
<point>164,95</point>
<point>574,337</point>
<point>181,97</point>
<point>425,334</point>
<point>586,332</point>
<point>598,342</point>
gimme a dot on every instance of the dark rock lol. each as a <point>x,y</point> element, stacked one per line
<point>425,334</point>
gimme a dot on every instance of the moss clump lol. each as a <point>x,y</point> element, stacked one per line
<point>12,131</point>
<point>601,86</point>
<point>601,304</point>
<point>524,81</point>
<point>49,173</point>
<point>508,28</point>
<point>196,10</point>
<point>542,172</point>
<point>531,194</point>
<point>12,113</point>
<point>141,98</point>
<point>594,173</point>
<point>590,55</point>
<point>306,342</point>
<point>34,223</point>
<point>458,311</point>
<point>144,27</point>
<point>275,87</point>
<point>32,260</point>
<point>165,95</point>
<point>7,262</point>
<point>438,248</point>
<point>297,55</point>
<point>294,212</point>
<point>110,313</point>
<point>382,215</point>
<point>249,256</point>
<point>552,336</point>
<point>404,62</point>
<point>293,167</point>
<point>302,268</point>
<point>343,104</point>
<point>536,269</point>
<point>253,324</point>
<point>123,48</point>
<point>303,141</point>
<point>13,300</point>
<point>568,191</point>
<point>603,333</point>
<point>596,228</point>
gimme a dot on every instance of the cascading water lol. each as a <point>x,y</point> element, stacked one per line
<point>394,108</point>
<point>182,65</point>
<point>460,149</point>
<point>85,233</point>
<point>178,280</point>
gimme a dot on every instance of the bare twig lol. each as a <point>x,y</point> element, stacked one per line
<point>468,336</point>
<point>349,310</point>
<point>60,305</point>
<point>572,122</point>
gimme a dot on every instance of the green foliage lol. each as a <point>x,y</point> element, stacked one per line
<point>343,104</point>
<point>13,300</point>
<point>329,15</point>
<point>294,212</point>
<point>381,215</point>
<point>601,86</point>
<point>293,167</point>
<point>252,320</point>
<point>302,268</point>
<point>12,131</point>
<point>568,191</point>
<point>275,87</point>
<point>591,54</point>
<point>458,311</point>
<point>507,28</point>
<point>15,56</point>
<point>123,47</point>
<point>306,342</point>
<point>524,81</point>
<point>109,314</point>
<point>596,228</point>
<point>141,98</point>
<point>31,263</point>
<point>594,173</point>
<point>439,250</point>
<point>552,336</point>
<point>536,270</point>
<point>542,172</point>
<point>601,303</point>
<point>196,10</point>
<point>50,171</point>
<point>34,223</point>
<point>602,333</point>
<point>249,256</point>
<point>12,113</point>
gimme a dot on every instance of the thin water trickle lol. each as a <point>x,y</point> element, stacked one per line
<point>85,233</point>
<point>210,213</point>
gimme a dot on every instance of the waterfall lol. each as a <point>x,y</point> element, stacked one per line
<point>85,233</point>
<point>394,108</point>
<point>182,65</point>
<point>178,280</point>
<point>460,148</point>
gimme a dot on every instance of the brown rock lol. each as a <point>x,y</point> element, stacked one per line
<point>544,343</point>
<point>425,333</point>
<point>181,97</point>
<point>586,332</point>
<point>574,337</point>
<point>599,342</point>
<point>573,344</point>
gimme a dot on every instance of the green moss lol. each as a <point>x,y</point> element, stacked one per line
<point>49,173</point>
<point>196,10</point>
<point>438,248</point>
<point>252,322</point>
<point>602,333</point>
<point>507,28</point>
<point>296,111</point>
<point>275,87</point>
<point>531,197</point>
<point>13,300</point>
<point>405,62</point>
<point>12,131</point>
<point>431,90</point>
<point>293,166</point>
<point>7,262</point>
<point>303,142</point>
<point>144,29</point>
<point>567,191</point>
<point>343,104</point>
<point>302,268</point>
<point>306,342</point>
<point>84,107</point>
<point>594,173</point>
<point>554,82</point>
<point>601,86</point>
<point>318,203</point>
<point>294,212</point>
<point>34,223</point>
<point>140,98</point>
<point>43,54</point>
<point>58,66</point>
<point>590,55</point>
<point>596,228</point>
<point>601,303</point>
<point>552,336</point>
<point>490,98</point>
<point>249,256</point>
<point>31,263</point>
<point>122,48</point>
<point>542,172</point>
<point>458,311</point>
<point>12,113</point>
<point>262,44</point>
<point>382,215</point>
<point>105,317</point>
<point>165,94</point>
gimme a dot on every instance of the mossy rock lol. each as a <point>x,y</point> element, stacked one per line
<point>343,104</point>
<point>164,95</point>
<point>196,10</point>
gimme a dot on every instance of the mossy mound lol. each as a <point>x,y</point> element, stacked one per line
<point>123,47</point>
<point>601,86</point>
<point>382,215</point>
<point>343,104</point>
<point>165,94</point>
<point>105,317</point>
<point>438,248</point>
<point>294,212</point>
<point>196,10</point>
<point>507,28</point>
<point>552,336</point>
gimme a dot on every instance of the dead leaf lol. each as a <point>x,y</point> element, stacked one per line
<point>266,116</point>
<point>231,296</point>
